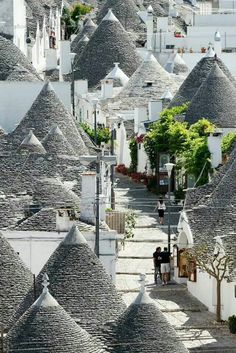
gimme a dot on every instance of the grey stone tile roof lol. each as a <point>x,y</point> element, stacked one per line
<point>19,73</point>
<point>110,43</point>
<point>87,30</point>
<point>11,59</point>
<point>215,100</point>
<point>50,192</point>
<point>211,209</point>
<point>79,48</point>
<point>44,220</point>
<point>176,65</point>
<point>46,112</point>
<point>196,77</point>
<point>143,328</point>
<point>125,11</point>
<point>15,281</point>
<point>150,81</point>
<point>47,327</point>
<point>81,286</point>
<point>56,143</point>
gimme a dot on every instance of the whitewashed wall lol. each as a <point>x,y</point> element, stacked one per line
<point>35,248</point>
<point>23,95</point>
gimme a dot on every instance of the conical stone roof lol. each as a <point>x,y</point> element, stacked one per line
<point>80,284</point>
<point>56,143</point>
<point>196,77</point>
<point>143,328</point>
<point>10,57</point>
<point>149,81</point>
<point>15,281</point>
<point>47,327</point>
<point>176,65</point>
<point>110,43</point>
<point>125,11</point>
<point>51,192</point>
<point>79,48</point>
<point>46,112</point>
<point>31,144</point>
<point>214,100</point>
<point>87,31</point>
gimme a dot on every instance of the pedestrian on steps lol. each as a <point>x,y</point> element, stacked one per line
<point>161,207</point>
<point>157,263</point>
<point>165,265</point>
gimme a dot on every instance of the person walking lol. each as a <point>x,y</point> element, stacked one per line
<point>165,265</point>
<point>161,207</point>
<point>157,263</point>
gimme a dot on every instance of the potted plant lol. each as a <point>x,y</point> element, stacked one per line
<point>232,323</point>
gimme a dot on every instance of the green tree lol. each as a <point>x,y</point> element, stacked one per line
<point>187,143</point>
<point>71,16</point>
<point>103,133</point>
<point>215,263</point>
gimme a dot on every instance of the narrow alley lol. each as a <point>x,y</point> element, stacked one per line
<point>194,324</point>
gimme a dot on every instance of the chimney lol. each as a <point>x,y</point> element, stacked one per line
<point>106,88</point>
<point>149,25</point>
<point>51,59</point>
<point>214,146</point>
<point>217,43</point>
<point>88,196</point>
<point>140,114</point>
<point>65,59</point>
<point>154,110</point>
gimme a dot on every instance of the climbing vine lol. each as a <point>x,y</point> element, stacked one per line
<point>133,146</point>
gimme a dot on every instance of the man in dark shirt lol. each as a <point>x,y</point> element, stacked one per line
<point>157,263</point>
<point>165,265</point>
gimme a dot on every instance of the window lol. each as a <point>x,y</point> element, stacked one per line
<point>163,159</point>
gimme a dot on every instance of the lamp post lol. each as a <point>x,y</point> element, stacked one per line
<point>72,58</point>
<point>169,167</point>
<point>95,102</point>
<point>113,121</point>
<point>86,160</point>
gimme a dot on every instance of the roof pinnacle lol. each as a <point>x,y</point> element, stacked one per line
<point>45,283</point>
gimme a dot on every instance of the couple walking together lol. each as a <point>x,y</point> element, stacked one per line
<point>161,260</point>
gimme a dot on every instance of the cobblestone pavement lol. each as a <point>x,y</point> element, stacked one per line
<point>194,325</point>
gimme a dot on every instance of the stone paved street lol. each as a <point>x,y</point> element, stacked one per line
<point>195,326</point>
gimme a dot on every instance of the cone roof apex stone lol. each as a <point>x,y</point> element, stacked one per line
<point>31,139</point>
<point>110,16</point>
<point>150,9</point>
<point>210,53</point>
<point>143,298</point>
<point>150,57</point>
<point>217,36</point>
<point>90,23</point>
<point>167,95</point>
<point>45,300</point>
<point>74,236</point>
<point>84,38</point>
<point>118,74</point>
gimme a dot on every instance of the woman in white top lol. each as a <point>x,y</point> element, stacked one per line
<point>161,210</point>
